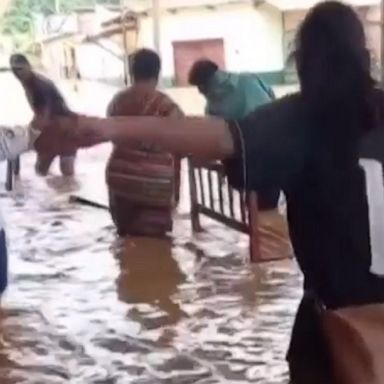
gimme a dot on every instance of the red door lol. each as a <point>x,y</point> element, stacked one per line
<point>187,52</point>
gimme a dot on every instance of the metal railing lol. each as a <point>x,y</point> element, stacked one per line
<point>212,196</point>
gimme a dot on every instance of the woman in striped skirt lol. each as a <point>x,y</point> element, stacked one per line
<point>143,181</point>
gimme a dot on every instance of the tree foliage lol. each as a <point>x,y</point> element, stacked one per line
<point>19,17</point>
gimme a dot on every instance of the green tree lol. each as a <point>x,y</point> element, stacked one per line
<point>19,17</point>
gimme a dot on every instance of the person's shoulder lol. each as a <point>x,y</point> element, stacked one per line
<point>123,93</point>
<point>119,101</point>
<point>166,104</point>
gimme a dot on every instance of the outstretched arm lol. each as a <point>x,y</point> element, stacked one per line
<point>200,137</point>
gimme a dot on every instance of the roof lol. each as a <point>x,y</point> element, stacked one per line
<point>286,5</point>
<point>141,6</point>
<point>112,8</point>
<point>108,32</point>
<point>127,16</point>
<point>144,6</point>
<point>58,37</point>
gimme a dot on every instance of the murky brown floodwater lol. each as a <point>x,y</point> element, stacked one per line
<point>85,308</point>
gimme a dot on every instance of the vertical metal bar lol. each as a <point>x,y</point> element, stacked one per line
<point>16,170</point>
<point>9,176</point>
<point>201,182</point>
<point>242,206</point>
<point>254,236</point>
<point>196,227</point>
<point>220,180</point>
<point>210,186</point>
<point>230,200</point>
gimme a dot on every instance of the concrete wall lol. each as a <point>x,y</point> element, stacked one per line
<point>252,36</point>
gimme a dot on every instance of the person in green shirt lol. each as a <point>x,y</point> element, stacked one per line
<point>229,95</point>
<point>234,96</point>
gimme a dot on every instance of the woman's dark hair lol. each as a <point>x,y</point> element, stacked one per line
<point>145,65</point>
<point>333,65</point>
<point>201,72</point>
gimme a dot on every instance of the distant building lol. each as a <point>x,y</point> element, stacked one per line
<point>240,35</point>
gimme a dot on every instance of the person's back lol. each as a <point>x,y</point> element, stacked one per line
<point>134,170</point>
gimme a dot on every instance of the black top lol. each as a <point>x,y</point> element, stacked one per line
<point>327,200</point>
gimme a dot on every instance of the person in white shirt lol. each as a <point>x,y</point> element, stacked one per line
<point>13,141</point>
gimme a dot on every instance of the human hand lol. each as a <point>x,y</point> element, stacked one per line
<point>40,122</point>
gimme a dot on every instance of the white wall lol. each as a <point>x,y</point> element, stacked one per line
<point>96,63</point>
<point>252,36</point>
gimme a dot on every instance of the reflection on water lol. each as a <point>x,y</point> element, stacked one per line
<point>85,307</point>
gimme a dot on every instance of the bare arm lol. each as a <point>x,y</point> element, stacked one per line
<point>203,138</point>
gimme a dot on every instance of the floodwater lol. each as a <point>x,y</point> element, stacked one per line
<point>84,307</point>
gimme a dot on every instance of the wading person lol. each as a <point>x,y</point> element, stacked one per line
<point>132,170</point>
<point>324,147</point>
<point>232,96</point>
<point>43,95</point>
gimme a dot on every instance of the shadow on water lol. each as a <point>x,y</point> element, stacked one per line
<point>84,307</point>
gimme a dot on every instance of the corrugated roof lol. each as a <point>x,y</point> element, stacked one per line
<point>146,5</point>
<point>58,36</point>
<point>286,5</point>
<point>128,16</point>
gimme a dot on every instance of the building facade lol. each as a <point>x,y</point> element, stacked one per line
<point>239,36</point>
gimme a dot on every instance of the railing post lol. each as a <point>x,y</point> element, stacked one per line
<point>13,169</point>
<point>254,235</point>
<point>196,226</point>
<point>9,176</point>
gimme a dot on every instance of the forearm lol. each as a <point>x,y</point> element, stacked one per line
<point>198,137</point>
<point>14,141</point>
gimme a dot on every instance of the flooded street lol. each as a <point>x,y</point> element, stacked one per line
<point>84,307</point>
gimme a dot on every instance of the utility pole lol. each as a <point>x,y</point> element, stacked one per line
<point>156,30</point>
<point>156,24</point>
<point>125,48</point>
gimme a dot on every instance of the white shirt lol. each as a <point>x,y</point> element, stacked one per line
<point>16,140</point>
<point>13,142</point>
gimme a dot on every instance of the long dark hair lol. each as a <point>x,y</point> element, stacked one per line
<point>334,70</point>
